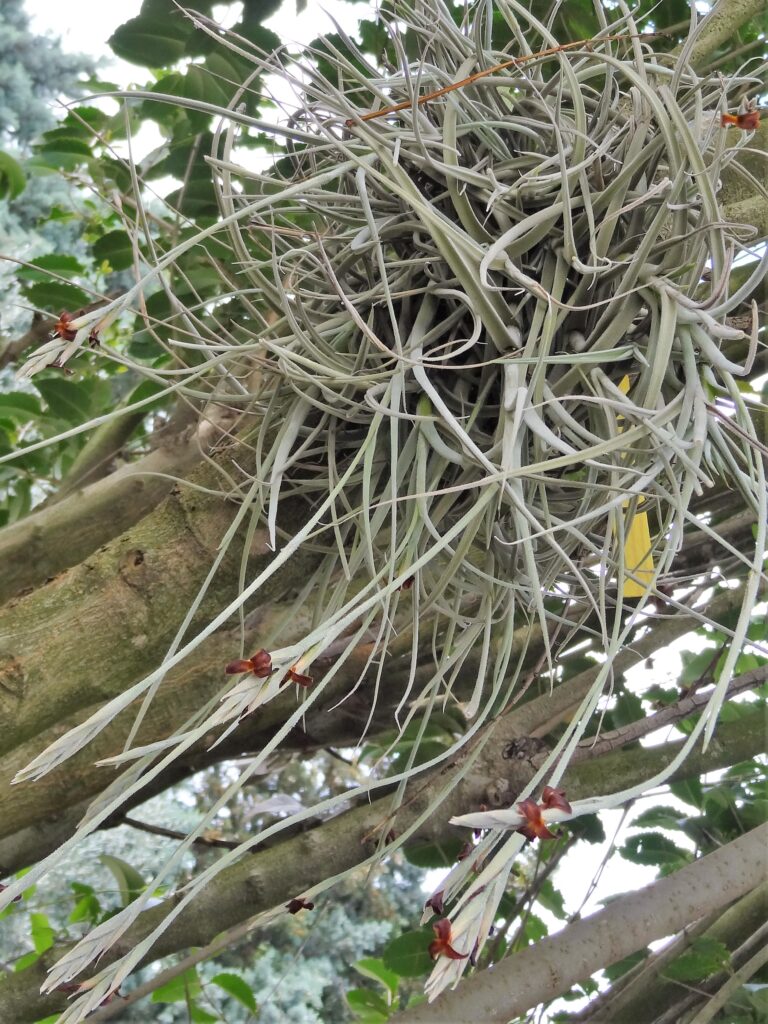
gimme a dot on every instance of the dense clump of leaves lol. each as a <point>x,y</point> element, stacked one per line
<point>479,337</point>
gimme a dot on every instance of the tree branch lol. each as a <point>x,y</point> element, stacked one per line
<point>667,716</point>
<point>271,877</point>
<point>644,992</point>
<point>721,24</point>
<point>550,967</point>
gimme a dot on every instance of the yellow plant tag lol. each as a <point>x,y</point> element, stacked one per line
<point>638,559</point>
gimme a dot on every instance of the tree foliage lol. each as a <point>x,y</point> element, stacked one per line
<point>363,472</point>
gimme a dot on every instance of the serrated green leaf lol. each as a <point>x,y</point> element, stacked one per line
<point>690,791</point>
<point>180,989</point>
<point>704,957</point>
<point>152,41</point>
<point>13,181</point>
<point>115,247</point>
<point>534,929</point>
<point>551,899</point>
<point>55,296</point>
<point>237,987</point>
<point>66,399</point>
<point>660,817</point>
<point>55,262</point>
<point>408,954</point>
<point>655,848</point>
<point>19,406</point>
<point>587,827</point>
<point>129,881</point>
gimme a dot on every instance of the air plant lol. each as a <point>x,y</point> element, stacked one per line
<point>491,370</point>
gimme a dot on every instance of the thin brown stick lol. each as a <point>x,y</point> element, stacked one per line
<point>512,62</point>
<point>159,830</point>
<point>667,716</point>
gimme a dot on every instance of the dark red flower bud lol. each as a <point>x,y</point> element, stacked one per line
<point>535,827</point>
<point>62,328</point>
<point>555,798</point>
<point>435,902</point>
<point>15,898</point>
<point>261,664</point>
<point>442,943</point>
<point>299,904</point>
<point>292,676</point>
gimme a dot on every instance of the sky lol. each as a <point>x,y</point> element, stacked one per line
<point>85,25</point>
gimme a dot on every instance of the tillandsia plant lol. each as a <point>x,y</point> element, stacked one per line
<point>478,320</point>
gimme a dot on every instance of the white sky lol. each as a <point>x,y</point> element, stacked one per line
<point>85,25</point>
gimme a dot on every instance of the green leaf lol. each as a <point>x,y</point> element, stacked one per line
<point>534,929</point>
<point>660,817</point>
<point>696,665</point>
<point>87,908</point>
<point>13,181</point>
<point>368,1005</point>
<point>200,1016</point>
<point>629,708</point>
<point>375,969</point>
<point>408,954</point>
<point>151,41</point>
<point>41,931</point>
<point>704,957</point>
<point>19,406</point>
<point>180,989</point>
<point>61,154</point>
<point>236,987</point>
<point>622,966</point>
<point>587,827</point>
<point>26,961</point>
<point>552,899</point>
<point>690,790</point>
<point>115,248</point>
<point>128,879</point>
<point>66,399</point>
<point>165,8</point>
<point>655,848</point>
<point>439,854</point>
<point>55,296</point>
<point>56,262</point>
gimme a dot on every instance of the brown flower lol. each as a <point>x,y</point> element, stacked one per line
<point>441,946</point>
<point>259,665</point>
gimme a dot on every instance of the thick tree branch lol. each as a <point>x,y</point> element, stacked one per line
<point>32,817</point>
<point>272,877</point>
<point>114,615</point>
<point>62,534</point>
<point>721,24</point>
<point>645,993</point>
<point>550,967</point>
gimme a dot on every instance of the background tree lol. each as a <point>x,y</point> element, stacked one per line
<point>33,74</point>
<point>341,364</point>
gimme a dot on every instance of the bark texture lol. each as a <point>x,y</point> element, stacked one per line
<point>553,965</point>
